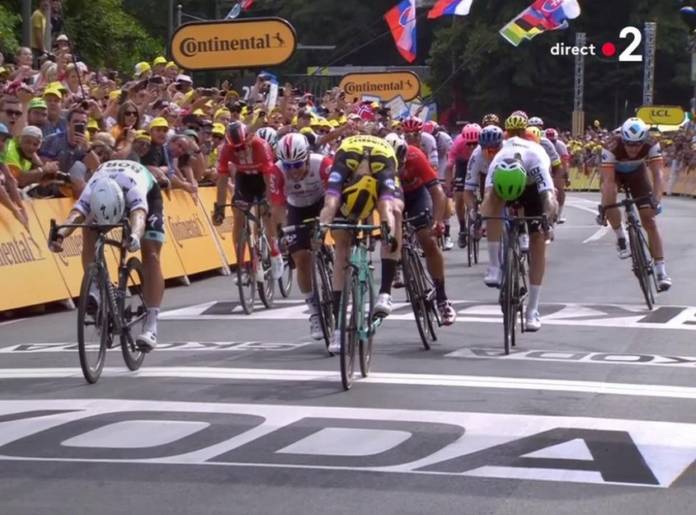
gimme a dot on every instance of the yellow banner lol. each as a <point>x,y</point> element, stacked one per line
<point>224,231</point>
<point>661,115</point>
<point>386,85</point>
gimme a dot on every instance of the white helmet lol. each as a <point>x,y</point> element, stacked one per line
<point>269,134</point>
<point>293,148</point>
<point>398,144</point>
<point>535,121</point>
<point>634,130</point>
<point>106,202</point>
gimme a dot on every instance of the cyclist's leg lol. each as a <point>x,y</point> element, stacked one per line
<point>532,204</point>
<point>241,194</point>
<point>389,259</point>
<point>559,182</point>
<point>153,287</point>
<point>342,242</point>
<point>611,180</point>
<point>460,204</point>
<point>89,239</point>
<point>492,206</point>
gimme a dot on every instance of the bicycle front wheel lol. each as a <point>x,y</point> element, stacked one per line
<point>324,293</point>
<point>266,287</point>
<point>92,324</point>
<point>133,311</point>
<point>365,348</point>
<point>350,313</point>
<point>416,295</point>
<point>246,272</point>
<point>285,282</point>
<point>507,299</point>
<point>641,265</point>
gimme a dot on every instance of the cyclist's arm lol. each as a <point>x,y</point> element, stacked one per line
<point>439,201</point>
<point>137,222</point>
<point>75,217</point>
<point>655,167</point>
<point>334,188</point>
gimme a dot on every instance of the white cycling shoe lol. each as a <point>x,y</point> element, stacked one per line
<point>494,277</point>
<point>449,244</point>
<point>524,242</point>
<point>277,267</point>
<point>315,330</point>
<point>532,322</point>
<point>146,341</point>
<point>335,345</point>
<point>383,307</point>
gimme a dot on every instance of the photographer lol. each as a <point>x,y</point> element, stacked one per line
<point>65,148</point>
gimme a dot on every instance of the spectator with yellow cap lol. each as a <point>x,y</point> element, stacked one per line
<point>143,70</point>
<point>158,65</point>
<point>155,159</point>
<point>37,114</point>
<point>171,70</point>
<point>55,122</point>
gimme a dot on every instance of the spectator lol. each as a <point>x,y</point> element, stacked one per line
<point>155,159</point>
<point>11,113</point>
<point>143,70</point>
<point>138,148</point>
<point>55,122</point>
<point>9,193</point>
<point>65,148</point>
<point>101,150</point>
<point>57,19</point>
<point>62,44</point>
<point>158,66</point>
<point>183,155</point>
<point>23,162</point>
<point>37,114</point>
<point>39,25</point>
<point>127,119</point>
<point>171,71</point>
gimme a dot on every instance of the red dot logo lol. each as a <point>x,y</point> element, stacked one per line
<point>609,49</point>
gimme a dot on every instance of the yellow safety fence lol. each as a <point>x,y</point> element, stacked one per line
<point>685,185</point>
<point>30,274</point>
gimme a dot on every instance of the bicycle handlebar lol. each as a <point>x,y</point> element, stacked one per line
<point>519,219</point>
<point>627,202</point>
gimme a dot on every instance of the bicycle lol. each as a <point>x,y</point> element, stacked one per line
<point>253,251</point>
<point>473,236</point>
<point>119,307</point>
<point>642,263</point>
<point>356,324</point>
<point>419,287</point>
<point>286,280</point>
<point>514,288</point>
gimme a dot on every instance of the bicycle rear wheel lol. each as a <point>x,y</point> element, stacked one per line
<point>640,265</point>
<point>349,327</point>
<point>324,292</point>
<point>286,281</point>
<point>476,241</point>
<point>133,311</point>
<point>92,325</point>
<point>506,298</point>
<point>246,272</point>
<point>365,346</point>
<point>266,287</point>
<point>470,242</point>
<point>416,295</point>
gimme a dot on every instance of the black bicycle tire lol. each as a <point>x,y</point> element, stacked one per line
<point>285,286</point>
<point>428,289</point>
<point>415,295</point>
<point>244,245</point>
<point>365,347</point>
<point>469,242</point>
<point>266,288</point>
<point>639,264</point>
<point>348,331</point>
<point>91,375</point>
<point>324,292</point>
<point>476,243</point>
<point>506,296</point>
<point>517,304</point>
<point>131,355</point>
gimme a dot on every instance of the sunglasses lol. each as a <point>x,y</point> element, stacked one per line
<point>11,112</point>
<point>634,144</point>
<point>471,144</point>
<point>293,166</point>
<point>131,113</point>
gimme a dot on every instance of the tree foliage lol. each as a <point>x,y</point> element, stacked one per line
<point>9,23</point>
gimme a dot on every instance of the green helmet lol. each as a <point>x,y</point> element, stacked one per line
<point>509,179</point>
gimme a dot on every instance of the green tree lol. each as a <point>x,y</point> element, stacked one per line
<point>9,21</point>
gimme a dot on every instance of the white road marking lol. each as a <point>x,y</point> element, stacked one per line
<point>10,322</point>
<point>33,348</point>
<point>324,376</point>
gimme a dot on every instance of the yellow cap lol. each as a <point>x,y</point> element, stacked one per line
<point>57,85</point>
<point>171,64</point>
<point>159,60</point>
<point>142,67</point>
<point>231,93</point>
<point>159,122</point>
<point>3,70</point>
<point>114,94</point>
<point>219,129</point>
<point>199,112</point>
<point>53,91</point>
<point>306,131</point>
<point>142,135</point>
<point>334,123</point>
<point>92,124</point>
<point>221,112</point>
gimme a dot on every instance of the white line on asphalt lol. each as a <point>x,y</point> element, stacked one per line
<point>10,322</point>
<point>461,381</point>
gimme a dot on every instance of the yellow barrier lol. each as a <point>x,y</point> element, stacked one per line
<point>207,197</point>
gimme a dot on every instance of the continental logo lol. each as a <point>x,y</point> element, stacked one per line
<point>233,44</point>
<point>72,248</point>
<point>20,250</point>
<point>387,86</point>
<point>186,229</point>
<point>225,227</point>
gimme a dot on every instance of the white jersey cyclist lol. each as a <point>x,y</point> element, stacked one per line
<point>429,148</point>
<point>444,143</point>
<point>476,168</point>
<point>551,151</point>
<point>533,158</point>
<point>305,191</point>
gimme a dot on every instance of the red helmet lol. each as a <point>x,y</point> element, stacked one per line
<point>471,133</point>
<point>430,127</point>
<point>237,135</point>
<point>552,134</point>
<point>411,125</point>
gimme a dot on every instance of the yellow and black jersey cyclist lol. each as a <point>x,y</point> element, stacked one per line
<point>363,176</point>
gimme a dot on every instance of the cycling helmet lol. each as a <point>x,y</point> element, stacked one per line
<point>509,179</point>
<point>106,201</point>
<point>399,145</point>
<point>521,113</point>
<point>534,133</point>
<point>237,134</point>
<point>4,131</point>
<point>552,134</point>
<point>535,121</point>
<point>491,136</point>
<point>471,133</point>
<point>360,198</point>
<point>634,130</point>
<point>268,134</point>
<point>430,127</point>
<point>411,125</point>
<point>490,119</point>
<point>293,148</point>
<point>516,121</point>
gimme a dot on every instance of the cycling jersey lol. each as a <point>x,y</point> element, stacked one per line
<point>417,171</point>
<point>533,158</point>
<point>135,180</point>
<point>444,144</point>
<point>614,155</point>
<point>460,151</point>
<point>478,166</point>
<point>550,150</point>
<point>562,150</point>
<point>381,163</point>
<point>429,146</point>
<point>302,192</point>
<point>255,158</point>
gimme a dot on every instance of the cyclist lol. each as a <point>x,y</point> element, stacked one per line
<point>490,119</point>
<point>561,179</point>
<point>119,187</point>
<point>270,136</point>
<point>490,141</point>
<point>362,177</point>
<point>248,159</point>
<point>422,192</point>
<point>625,162</point>
<point>297,184</point>
<point>521,171</point>
<point>444,145</point>
<point>460,154</point>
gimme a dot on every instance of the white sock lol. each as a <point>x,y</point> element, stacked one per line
<point>620,232</point>
<point>151,320</point>
<point>560,211</point>
<point>660,267</point>
<point>494,254</point>
<point>533,302</point>
<point>309,300</point>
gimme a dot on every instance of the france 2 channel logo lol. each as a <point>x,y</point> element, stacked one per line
<point>607,49</point>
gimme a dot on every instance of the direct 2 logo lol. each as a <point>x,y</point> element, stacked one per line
<point>608,49</point>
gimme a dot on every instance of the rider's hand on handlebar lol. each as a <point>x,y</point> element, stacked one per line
<point>439,229</point>
<point>133,244</point>
<point>55,243</point>
<point>218,214</point>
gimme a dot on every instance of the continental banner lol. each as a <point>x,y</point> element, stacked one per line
<point>28,271</point>
<point>224,231</point>
<point>189,232</point>
<point>386,85</point>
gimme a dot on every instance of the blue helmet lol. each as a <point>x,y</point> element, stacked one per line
<point>4,131</point>
<point>491,136</point>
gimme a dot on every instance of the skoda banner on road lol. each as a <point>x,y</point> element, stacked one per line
<point>246,43</point>
<point>387,85</point>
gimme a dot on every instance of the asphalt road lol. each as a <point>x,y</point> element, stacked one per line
<point>239,414</point>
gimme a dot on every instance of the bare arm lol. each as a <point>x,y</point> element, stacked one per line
<point>656,171</point>
<point>439,202</point>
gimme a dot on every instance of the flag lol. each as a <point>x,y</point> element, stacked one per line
<point>541,16</point>
<point>402,22</point>
<point>445,7</point>
<point>246,4</point>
